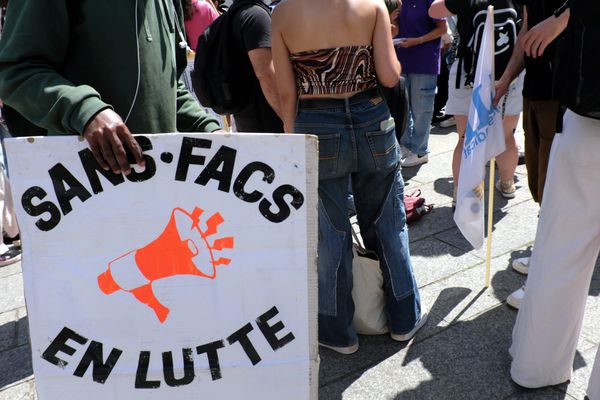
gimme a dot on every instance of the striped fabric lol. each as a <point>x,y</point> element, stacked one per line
<point>334,71</point>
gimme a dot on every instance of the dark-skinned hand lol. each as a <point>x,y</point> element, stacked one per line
<point>108,137</point>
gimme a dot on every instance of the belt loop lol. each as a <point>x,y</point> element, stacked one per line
<point>347,104</point>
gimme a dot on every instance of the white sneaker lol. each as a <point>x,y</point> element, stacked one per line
<point>342,350</point>
<point>407,336</point>
<point>521,265</point>
<point>447,123</point>
<point>515,299</point>
<point>506,188</point>
<point>412,160</point>
<point>404,151</point>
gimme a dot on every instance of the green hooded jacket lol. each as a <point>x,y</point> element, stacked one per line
<point>63,61</point>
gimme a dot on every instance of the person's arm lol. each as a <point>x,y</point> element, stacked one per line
<point>439,9</point>
<point>31,84</point>
<point>262,64</point>
<point>191,117</point>
<point>542,34</point>
<point>441,27</point>
<point>516,64</point>
<point>387,67</point>
<point>284,73</point>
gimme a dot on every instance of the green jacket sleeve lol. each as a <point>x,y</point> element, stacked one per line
<point>190,115</point>
<point>32,50</point>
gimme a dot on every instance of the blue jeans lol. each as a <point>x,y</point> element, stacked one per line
<point>357,140</point>
<point>421,97</point>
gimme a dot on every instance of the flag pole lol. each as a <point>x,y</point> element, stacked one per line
<point>488,256</point>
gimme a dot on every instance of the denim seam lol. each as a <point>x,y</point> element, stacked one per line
<point>337,268</point>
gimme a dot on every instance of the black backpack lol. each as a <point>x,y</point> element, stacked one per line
<point>507,20</point>
<point>219,78</point>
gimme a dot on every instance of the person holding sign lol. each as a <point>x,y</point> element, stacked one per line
<point>327,80</point>
<point>100,69</point>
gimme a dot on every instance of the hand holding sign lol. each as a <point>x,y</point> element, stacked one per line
<point>109,139</point>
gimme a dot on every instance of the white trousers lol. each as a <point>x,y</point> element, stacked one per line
<point>566,248</point>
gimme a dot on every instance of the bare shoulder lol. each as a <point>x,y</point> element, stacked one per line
<point>284,9</point>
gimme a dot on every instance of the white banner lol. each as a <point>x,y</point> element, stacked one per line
<point>192,278</point>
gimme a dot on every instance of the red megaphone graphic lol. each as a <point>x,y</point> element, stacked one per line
<point>181,249</point>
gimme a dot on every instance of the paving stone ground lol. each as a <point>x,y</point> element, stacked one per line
<point>462,352</point>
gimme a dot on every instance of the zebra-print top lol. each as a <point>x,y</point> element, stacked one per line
<point>334,71</point>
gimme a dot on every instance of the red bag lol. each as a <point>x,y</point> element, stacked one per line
<point>415,206</point>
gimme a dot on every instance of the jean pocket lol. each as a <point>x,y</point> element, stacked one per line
<point>329,152</point>
<point>384,147</point>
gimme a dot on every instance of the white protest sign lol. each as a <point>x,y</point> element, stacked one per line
<point>191,278</point>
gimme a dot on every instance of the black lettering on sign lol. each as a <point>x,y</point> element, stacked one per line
<point>150,168</point>
<point>241,336</point>
<point>211,350</point>
<point>239,186</point>
<point>92,168</point>
<point>67,187</point>
<point>141,375</point>
<point>49,207</point>
<point>101,370</point>
<point>186,158</point>
<point>59,344</point>
<point>188,368</point>
<point>219,168</point>
<point>279,198</point>
<point>270,331</point>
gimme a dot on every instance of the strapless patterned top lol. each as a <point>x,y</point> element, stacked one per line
<point>334,71</point>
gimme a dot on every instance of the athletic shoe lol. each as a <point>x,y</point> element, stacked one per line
<point>407,336</point>
<point>10,256</point>
<point>404,151</point>
<point>342,350</point>
<point>515,299</point>
<point>521,265</point>
<point>506,188</point>
<point>412,160</point>
<point>447,123</point>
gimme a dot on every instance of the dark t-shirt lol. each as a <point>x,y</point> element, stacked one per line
<point>254,32</point>
<point>471,16</point>
<point>538,76</point>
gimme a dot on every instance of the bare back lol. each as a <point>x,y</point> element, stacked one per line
<point>322,24</point>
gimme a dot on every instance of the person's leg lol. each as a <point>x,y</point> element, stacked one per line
<point>461,126</point>
<point>532,147</point>
<point>406,137</point>
<point>548,324</point>
<point>334,261</point>
<point>507,160</point>
<point>547,114</point>
<point>378,195</point>
<point>422,95</point>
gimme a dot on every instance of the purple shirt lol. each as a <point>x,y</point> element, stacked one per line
<point>414,21</point>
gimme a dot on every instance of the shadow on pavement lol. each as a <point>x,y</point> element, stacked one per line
<point>15,361</point>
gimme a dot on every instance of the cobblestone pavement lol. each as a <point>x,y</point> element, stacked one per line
<point>461,353</point>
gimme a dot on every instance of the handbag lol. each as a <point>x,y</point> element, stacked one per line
<point>370,316</point>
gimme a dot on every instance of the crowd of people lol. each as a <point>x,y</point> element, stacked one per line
<point>335,82</point>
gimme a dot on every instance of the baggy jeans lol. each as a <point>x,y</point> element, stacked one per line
<point>357,142</point>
